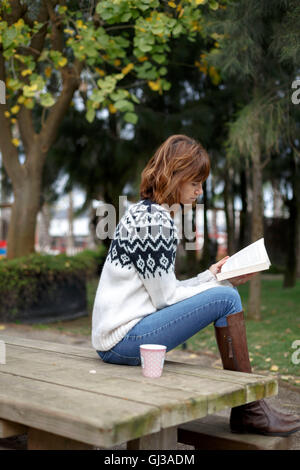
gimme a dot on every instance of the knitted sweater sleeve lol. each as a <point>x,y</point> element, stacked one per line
<point>152,250</point>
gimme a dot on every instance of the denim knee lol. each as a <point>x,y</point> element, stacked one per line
<point>234,305</point>
<point>235,299</point>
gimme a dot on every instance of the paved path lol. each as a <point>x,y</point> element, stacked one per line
<point>288,398</point>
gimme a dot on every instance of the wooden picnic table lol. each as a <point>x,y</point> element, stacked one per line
<point>66,397</point>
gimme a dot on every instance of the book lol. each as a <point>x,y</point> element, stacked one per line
<point>250,259</point>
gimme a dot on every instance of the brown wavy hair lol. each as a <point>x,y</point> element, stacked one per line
<point>179,159</point>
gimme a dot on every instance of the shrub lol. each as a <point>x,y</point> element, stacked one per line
<point>23,281</point>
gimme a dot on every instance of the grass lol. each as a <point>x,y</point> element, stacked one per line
<point>270,340</point>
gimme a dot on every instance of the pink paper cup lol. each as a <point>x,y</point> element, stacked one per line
<point>152,359</point>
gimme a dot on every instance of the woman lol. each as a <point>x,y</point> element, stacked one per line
<point>139,300</point>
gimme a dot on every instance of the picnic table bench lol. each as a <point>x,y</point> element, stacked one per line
<point>65,397</point>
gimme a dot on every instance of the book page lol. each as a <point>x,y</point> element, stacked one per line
<point>248,256</point>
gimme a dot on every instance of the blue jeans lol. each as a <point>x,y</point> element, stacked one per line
<point>174,324</point>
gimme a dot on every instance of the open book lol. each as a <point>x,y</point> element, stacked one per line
<point>251,259</point>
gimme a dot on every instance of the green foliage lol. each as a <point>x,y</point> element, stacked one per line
<point>23,279</point>
<point>111,42</point>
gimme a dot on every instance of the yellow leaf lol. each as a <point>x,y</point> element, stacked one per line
<point>33,87</point>
<point>69,31</point>
<point>127,69</point>
<point>154,85</point>
<point>2,327</point>
<point>15,109</point>
<point>28,103</point>
<point>26,72</point>
<point>16,142</point>
<point>79,23</point>
<point>19,24</point>
<point>112,108</point>
<point>181,13</point>
<point>48,71</point>
<point>13,120</point>
<point>268,359</point>
<point>117,62</point>
<point>21,99</point>
<point>143,59</point>
<point>172,4</point>
<point>100,71</point>
<point>62,62</point>
<point>7,114</point>
<point>200,2</point>
<point>274,368</point>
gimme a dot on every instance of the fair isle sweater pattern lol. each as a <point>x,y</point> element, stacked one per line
<point>138,276</point>
<point>145,240</point>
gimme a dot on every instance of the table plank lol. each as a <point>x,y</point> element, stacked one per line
<point>90,353</point>
<point>179,401</point>
<point>69,349</point>
<point>269,383</point>
<point>108,421</point>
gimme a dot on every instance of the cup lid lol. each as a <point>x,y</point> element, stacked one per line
<point>153,347</point>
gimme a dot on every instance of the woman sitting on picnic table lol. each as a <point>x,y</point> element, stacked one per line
<point>139,300</point>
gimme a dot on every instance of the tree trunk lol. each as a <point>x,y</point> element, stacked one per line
<point>70,235</point>
<point>244,210</point>
<point>229,210</point>
<point>290,276</point>
<point>205,259</point>
<point>22,226</point>
<point>92,240</point>
<point>44,238</point>
<point>26,178</point>
<point>254,302</point>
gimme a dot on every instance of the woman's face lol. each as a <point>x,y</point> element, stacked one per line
<point>189,192</point>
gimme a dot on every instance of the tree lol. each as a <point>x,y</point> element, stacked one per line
<point>249,52</point>
<point>48,48</point>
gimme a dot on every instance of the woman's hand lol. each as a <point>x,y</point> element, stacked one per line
<point>216,268</point>
<point>237,281</point>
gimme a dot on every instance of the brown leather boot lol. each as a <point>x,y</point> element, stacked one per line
<point>255,417</point>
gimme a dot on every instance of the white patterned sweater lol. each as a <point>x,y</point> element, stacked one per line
<point>138,276</point>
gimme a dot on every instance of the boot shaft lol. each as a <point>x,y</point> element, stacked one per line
<point>232,343</point>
